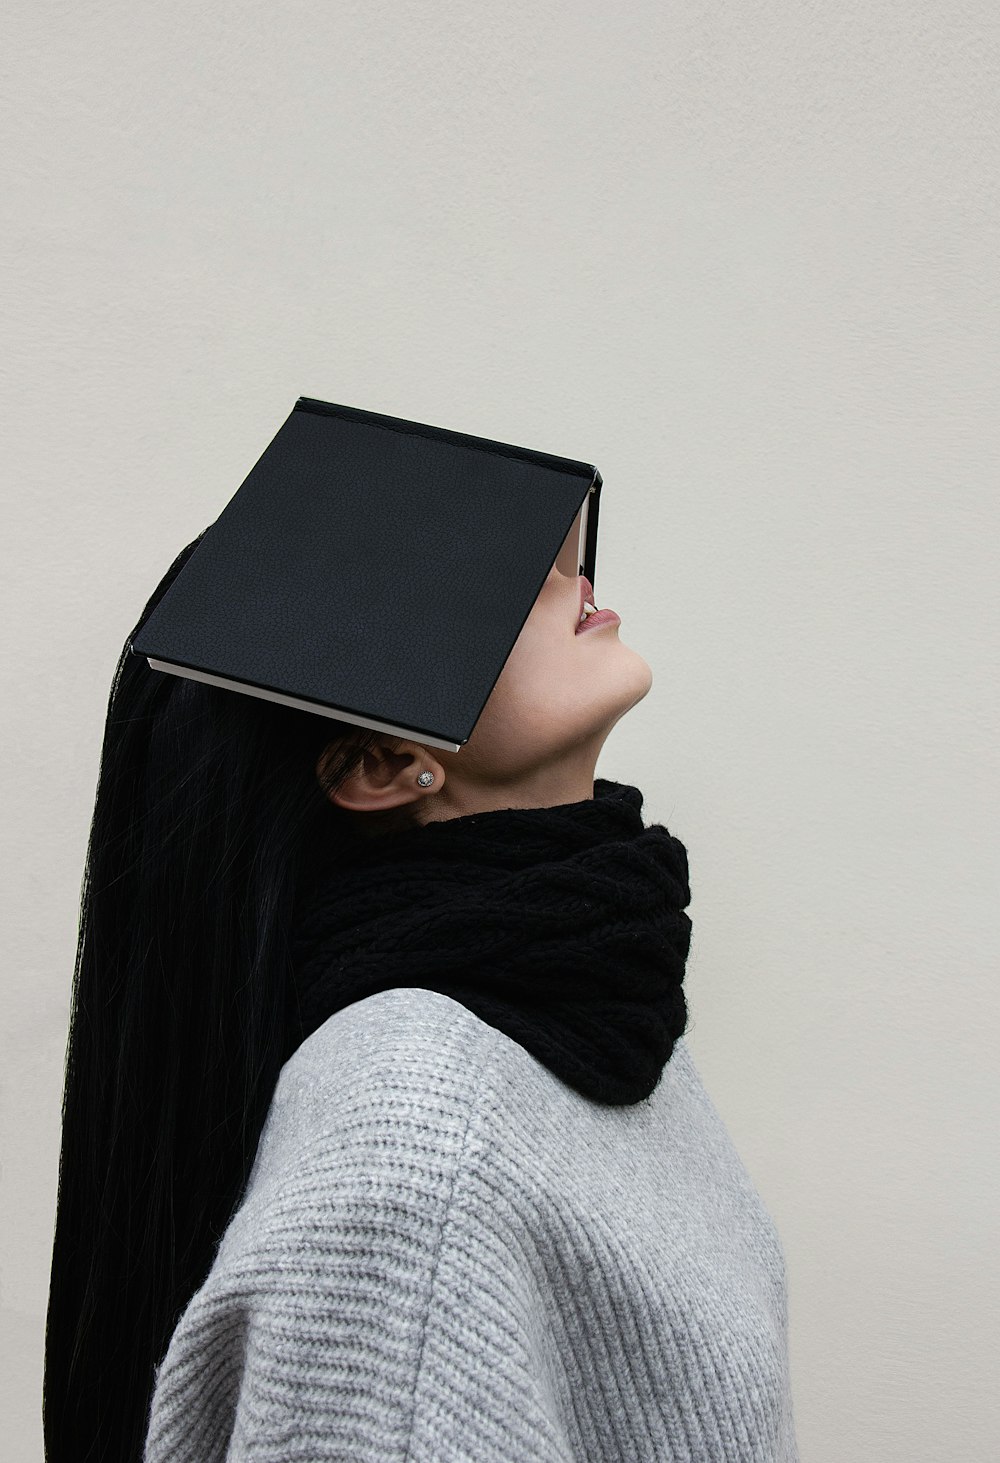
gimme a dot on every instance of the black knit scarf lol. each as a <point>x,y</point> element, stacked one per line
<point>562,927</point>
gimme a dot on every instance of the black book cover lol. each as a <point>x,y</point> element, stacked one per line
<point>376,570</point>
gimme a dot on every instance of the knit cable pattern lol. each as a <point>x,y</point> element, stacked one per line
<point>563,927</point>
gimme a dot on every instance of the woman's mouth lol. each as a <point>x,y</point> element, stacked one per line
<point>599,617</point>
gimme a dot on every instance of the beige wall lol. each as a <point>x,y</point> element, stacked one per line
<point>745,259</point>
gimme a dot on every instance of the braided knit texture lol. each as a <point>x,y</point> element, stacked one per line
<point>564,927</point>
<point>446,1254</point>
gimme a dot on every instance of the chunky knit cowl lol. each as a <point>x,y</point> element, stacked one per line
<point>562,927</point>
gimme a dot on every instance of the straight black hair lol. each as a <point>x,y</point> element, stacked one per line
<point>208,815</point>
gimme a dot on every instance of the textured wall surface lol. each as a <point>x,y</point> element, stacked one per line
<point>743,258</point>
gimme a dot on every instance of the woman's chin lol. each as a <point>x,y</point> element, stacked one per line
<point>643,673</point>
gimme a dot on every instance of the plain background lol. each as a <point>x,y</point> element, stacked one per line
<point>743,257</point>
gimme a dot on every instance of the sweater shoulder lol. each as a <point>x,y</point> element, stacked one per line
<point>385,1084</point>
<point>408,1093</point>
<point>408,1069</point>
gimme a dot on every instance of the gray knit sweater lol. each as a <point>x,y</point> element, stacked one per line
<point>446,1255</point>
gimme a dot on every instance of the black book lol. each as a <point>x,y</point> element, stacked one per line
<point>375,570</point>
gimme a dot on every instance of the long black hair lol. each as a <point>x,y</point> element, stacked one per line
<point>208,813</point>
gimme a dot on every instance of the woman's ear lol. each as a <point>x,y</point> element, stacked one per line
<point>386,777</point>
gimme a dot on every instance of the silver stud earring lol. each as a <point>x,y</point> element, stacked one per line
<point>425,779</point>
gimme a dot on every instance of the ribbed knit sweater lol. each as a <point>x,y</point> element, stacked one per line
<point>445,1254</point>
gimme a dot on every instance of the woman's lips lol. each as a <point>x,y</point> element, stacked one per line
<point>602,617</point>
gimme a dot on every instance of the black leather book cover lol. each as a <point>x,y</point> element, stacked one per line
<point>375,569</point>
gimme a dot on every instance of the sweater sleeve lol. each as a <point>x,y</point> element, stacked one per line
<point>370,1312</point>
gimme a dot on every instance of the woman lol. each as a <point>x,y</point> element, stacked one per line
<point>380,1135</point>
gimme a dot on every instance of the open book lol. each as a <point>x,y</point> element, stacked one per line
<point>375,570</point>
